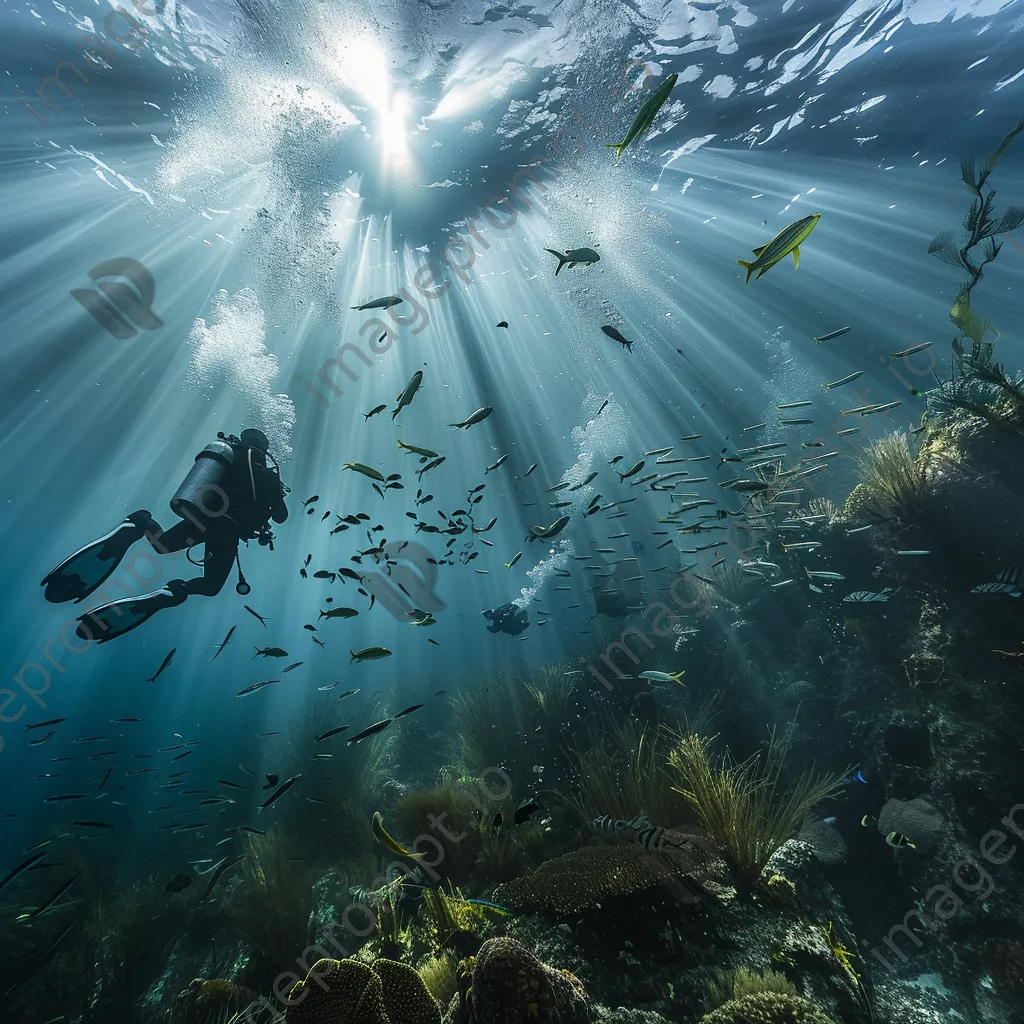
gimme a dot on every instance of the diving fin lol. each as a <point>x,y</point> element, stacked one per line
<point>118,617</point>
<point>90,567</point>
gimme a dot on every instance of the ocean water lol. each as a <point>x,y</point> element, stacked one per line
<point>197,199</point>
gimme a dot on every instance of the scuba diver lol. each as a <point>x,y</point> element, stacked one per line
<point>229,495</point>
<point>509,618</point>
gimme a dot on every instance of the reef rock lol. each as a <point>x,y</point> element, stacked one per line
<point>917,819</point>
<point>767,1008</point>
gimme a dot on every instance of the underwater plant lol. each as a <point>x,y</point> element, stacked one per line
<point>821,506</point>
<point>622,773</point>
<point>273,907</point>
<point>349,786</point>
<point>501,856</point>
<point>746,806</point>
<point>975,375</point>
<point>449,815</point>
<point>553,701</point>
<point>981,227</point>
<point>489,724</point>
<point>441,976</point>
<point>892,481</point>
<point>445,916</point>
<point>738,982</point>
<point>132,934</point>
<point>731,583</point>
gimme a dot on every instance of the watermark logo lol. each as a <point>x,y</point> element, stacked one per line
<point>121,303</point>
<point>402,589</point>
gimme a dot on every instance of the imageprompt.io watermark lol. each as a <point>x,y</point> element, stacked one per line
<point>122,301</point>
<point>88,48</point>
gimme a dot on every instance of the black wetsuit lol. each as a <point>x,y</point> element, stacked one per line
<point>245,517</point>
<point>509,618</point>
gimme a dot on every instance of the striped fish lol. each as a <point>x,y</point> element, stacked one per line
<point>997,588</point>
<point>864,597</point>
<point>654,840</point>
<point>615,828</point>
<point>787,241</point>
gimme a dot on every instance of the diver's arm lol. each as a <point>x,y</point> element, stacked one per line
<point>279,510</point>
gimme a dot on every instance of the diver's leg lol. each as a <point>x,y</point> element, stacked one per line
<point>179,537</point>
<point>88,568</point>
<point>221,548</point>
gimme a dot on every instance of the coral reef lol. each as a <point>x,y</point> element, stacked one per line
<point>406,996</point>
<point>351,992</point>
<point>581,880</point>
<point>511,985</point>
<point>337,992</point>
<point>767,1008</point>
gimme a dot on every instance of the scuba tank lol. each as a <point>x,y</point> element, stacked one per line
<point>203,493</point>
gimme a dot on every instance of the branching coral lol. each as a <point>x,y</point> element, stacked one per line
<point>746,806</point>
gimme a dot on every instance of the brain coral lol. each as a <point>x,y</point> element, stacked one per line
<point>349,992</point>
<point>405,995</point>
<point>338,992</point>
<point>767,1008</point>
<point>579,880</point>
<point>510,985</point>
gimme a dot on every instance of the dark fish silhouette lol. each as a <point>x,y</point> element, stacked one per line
<point>616,335</point>
<point>370,731</point>
<point>224,643</point>
<point>163,665</point>
<point>254,613</point>
<point>383,303</point>
<point>278,793</point>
